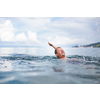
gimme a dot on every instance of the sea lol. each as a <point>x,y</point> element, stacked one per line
<point>39,65</point>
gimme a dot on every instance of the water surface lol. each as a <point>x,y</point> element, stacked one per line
<point>41,66</point>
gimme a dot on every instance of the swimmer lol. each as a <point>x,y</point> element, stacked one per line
<point>59,52</point>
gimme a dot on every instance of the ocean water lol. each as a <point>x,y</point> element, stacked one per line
<point>22,65</point>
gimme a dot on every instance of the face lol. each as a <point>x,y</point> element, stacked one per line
<point>60,52</point>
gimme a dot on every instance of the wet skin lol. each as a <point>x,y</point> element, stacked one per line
<point>60,53</point>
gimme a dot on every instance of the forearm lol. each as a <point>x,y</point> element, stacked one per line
<point>52,45</point>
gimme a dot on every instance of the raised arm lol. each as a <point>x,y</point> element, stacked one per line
<point>52,45</point>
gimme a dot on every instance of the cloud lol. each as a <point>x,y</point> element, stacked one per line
<point>6,31</point>
<point>62,31</point>
<point>64,41</point>
<point>32,37</point>
<point>35,21</point>
<point>35,24</point>
<point>48,38</point>
<point>87,29</point>
<point>21,38</point>
<point>7,34</point>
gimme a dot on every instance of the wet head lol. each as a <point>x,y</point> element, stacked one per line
<point>59,52</point>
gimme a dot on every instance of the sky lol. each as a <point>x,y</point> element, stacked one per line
<point>60,31</point>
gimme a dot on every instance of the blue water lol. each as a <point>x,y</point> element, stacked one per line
<point>41,66</point>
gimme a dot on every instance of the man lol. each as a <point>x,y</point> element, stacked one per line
<point>59,52</point>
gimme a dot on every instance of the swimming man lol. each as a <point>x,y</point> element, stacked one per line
<point>59,52</point>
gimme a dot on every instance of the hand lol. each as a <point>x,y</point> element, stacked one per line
<point>49,43</point>
<point>52,45</point>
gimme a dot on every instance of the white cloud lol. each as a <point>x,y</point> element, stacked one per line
<point>6,31</point>
<point>65,41</point>
<point>7,34</point>
<point>61,31</point>
<point>32,37</point>
<point>36,21</point>
<point>48,38</point>
<point>35,24</point>
<point>21,38</point>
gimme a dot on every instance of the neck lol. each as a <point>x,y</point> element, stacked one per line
<point>63,58</point>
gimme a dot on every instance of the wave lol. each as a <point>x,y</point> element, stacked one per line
<point>27,57</point>
<point>32,57</point>
<point>85,58</point>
